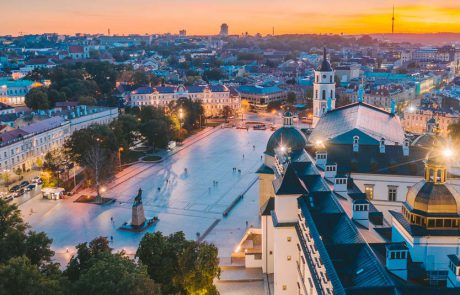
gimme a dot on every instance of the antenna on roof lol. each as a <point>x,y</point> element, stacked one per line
<point>393,21</point>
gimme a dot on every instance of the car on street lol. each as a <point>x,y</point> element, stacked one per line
<point>14,188</point>
<point>8,198</point>
<point>24,183</point>
<point>37,179</point>
<point>31,187</point>
<point>20,192</point>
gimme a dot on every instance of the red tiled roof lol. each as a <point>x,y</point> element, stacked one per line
<point>75,49</point>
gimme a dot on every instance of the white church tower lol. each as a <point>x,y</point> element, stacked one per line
<point>323,90</point>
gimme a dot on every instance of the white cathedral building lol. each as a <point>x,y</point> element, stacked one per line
<point>354,208</point>
<point>323,90</point>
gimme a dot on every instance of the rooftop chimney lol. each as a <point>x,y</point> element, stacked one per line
<point>396,259</point>
<point>406,147</point>
<point>453,272</point>
<point>361,212</point>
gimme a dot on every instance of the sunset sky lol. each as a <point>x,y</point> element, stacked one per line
<point>205,16</point>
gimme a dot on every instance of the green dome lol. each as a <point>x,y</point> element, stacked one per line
<point>290,137</point>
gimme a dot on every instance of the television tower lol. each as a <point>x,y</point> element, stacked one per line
<point>393,21</point>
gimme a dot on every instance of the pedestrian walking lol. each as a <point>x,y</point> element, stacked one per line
<point>247,223</point>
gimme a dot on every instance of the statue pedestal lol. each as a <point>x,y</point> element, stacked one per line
<point>138,216</point>
<point>138,221</point>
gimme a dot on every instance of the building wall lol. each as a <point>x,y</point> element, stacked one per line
<point>323,88</point>
<point>267,244</point>
<point>415,122</point>
<point>284,260</point>
<point>213,102</point>
<point>382,183</point>
<point>265,188</point>
<point>101,117</point>
<point>24,153</point>
<point>430,250</point>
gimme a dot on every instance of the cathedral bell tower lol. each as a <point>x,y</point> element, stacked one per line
<point>323,90</point>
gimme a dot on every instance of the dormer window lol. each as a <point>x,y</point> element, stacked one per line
<point>355,143</point>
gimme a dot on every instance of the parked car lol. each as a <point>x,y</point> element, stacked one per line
<point>14,188</point>
<point>31,187</point>
<point>24,183</point>
<point>37,180</point>
<point>8,198</point>
<point>20,192</point>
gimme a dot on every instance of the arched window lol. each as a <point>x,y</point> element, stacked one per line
<point>324,95</point>
<point>330,79</point>
<point>332,94</point>
<point>355,139</point>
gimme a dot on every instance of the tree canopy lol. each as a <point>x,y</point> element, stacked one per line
<point>179,265</point>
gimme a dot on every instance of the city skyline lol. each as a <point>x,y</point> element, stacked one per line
<point>288,17</point>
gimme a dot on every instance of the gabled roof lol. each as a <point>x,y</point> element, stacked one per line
<point>268,207</point>
<point>289,183</point>
<point>370,120</point>
<point>264,169</point>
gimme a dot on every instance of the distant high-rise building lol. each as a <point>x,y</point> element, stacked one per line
<point>183,33</point>
<point>224,30</point>
<point>393,21</point>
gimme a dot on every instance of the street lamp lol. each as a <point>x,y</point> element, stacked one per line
<point>120,149</point>
<point>181,117</point>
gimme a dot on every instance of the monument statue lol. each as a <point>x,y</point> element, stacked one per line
<point>138,216</point>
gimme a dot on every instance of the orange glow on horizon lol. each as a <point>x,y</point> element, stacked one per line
<point>252,16</point>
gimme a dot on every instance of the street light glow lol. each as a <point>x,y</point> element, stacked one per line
<point>447,152</point>
<point>283,149</point>
<point>411,108</point>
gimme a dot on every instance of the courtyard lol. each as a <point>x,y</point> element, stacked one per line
<point>188,191</point>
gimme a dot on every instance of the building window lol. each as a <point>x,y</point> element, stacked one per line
<point>284,287</point>
<point>289,258</point>
<point>392,193</point>
<point>369,190</point>
<point>288,239</point>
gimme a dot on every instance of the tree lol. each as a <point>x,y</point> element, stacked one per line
<point>245,106</point>
<point>19,276</point>
<point>86,255</point>
<point>199,265</point>
<point>160,254</point>
<point>95,148</point>
<point>274,105</point>
<point>179,265</point>
<point>115,274</point>
<point>14,241</point>
<point>227,112</point>
<point>291,97</point>
<point>193,112</point>
<point>37,99</point>
<point>125,129</point>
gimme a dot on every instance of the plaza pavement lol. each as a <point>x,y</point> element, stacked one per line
<point>186,202</point>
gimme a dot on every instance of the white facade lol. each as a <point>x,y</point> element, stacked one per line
<point>213,101</point>
<point>22,147</point>
<point>323,90</point>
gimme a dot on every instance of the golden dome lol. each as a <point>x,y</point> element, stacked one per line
<point>433,198</point>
